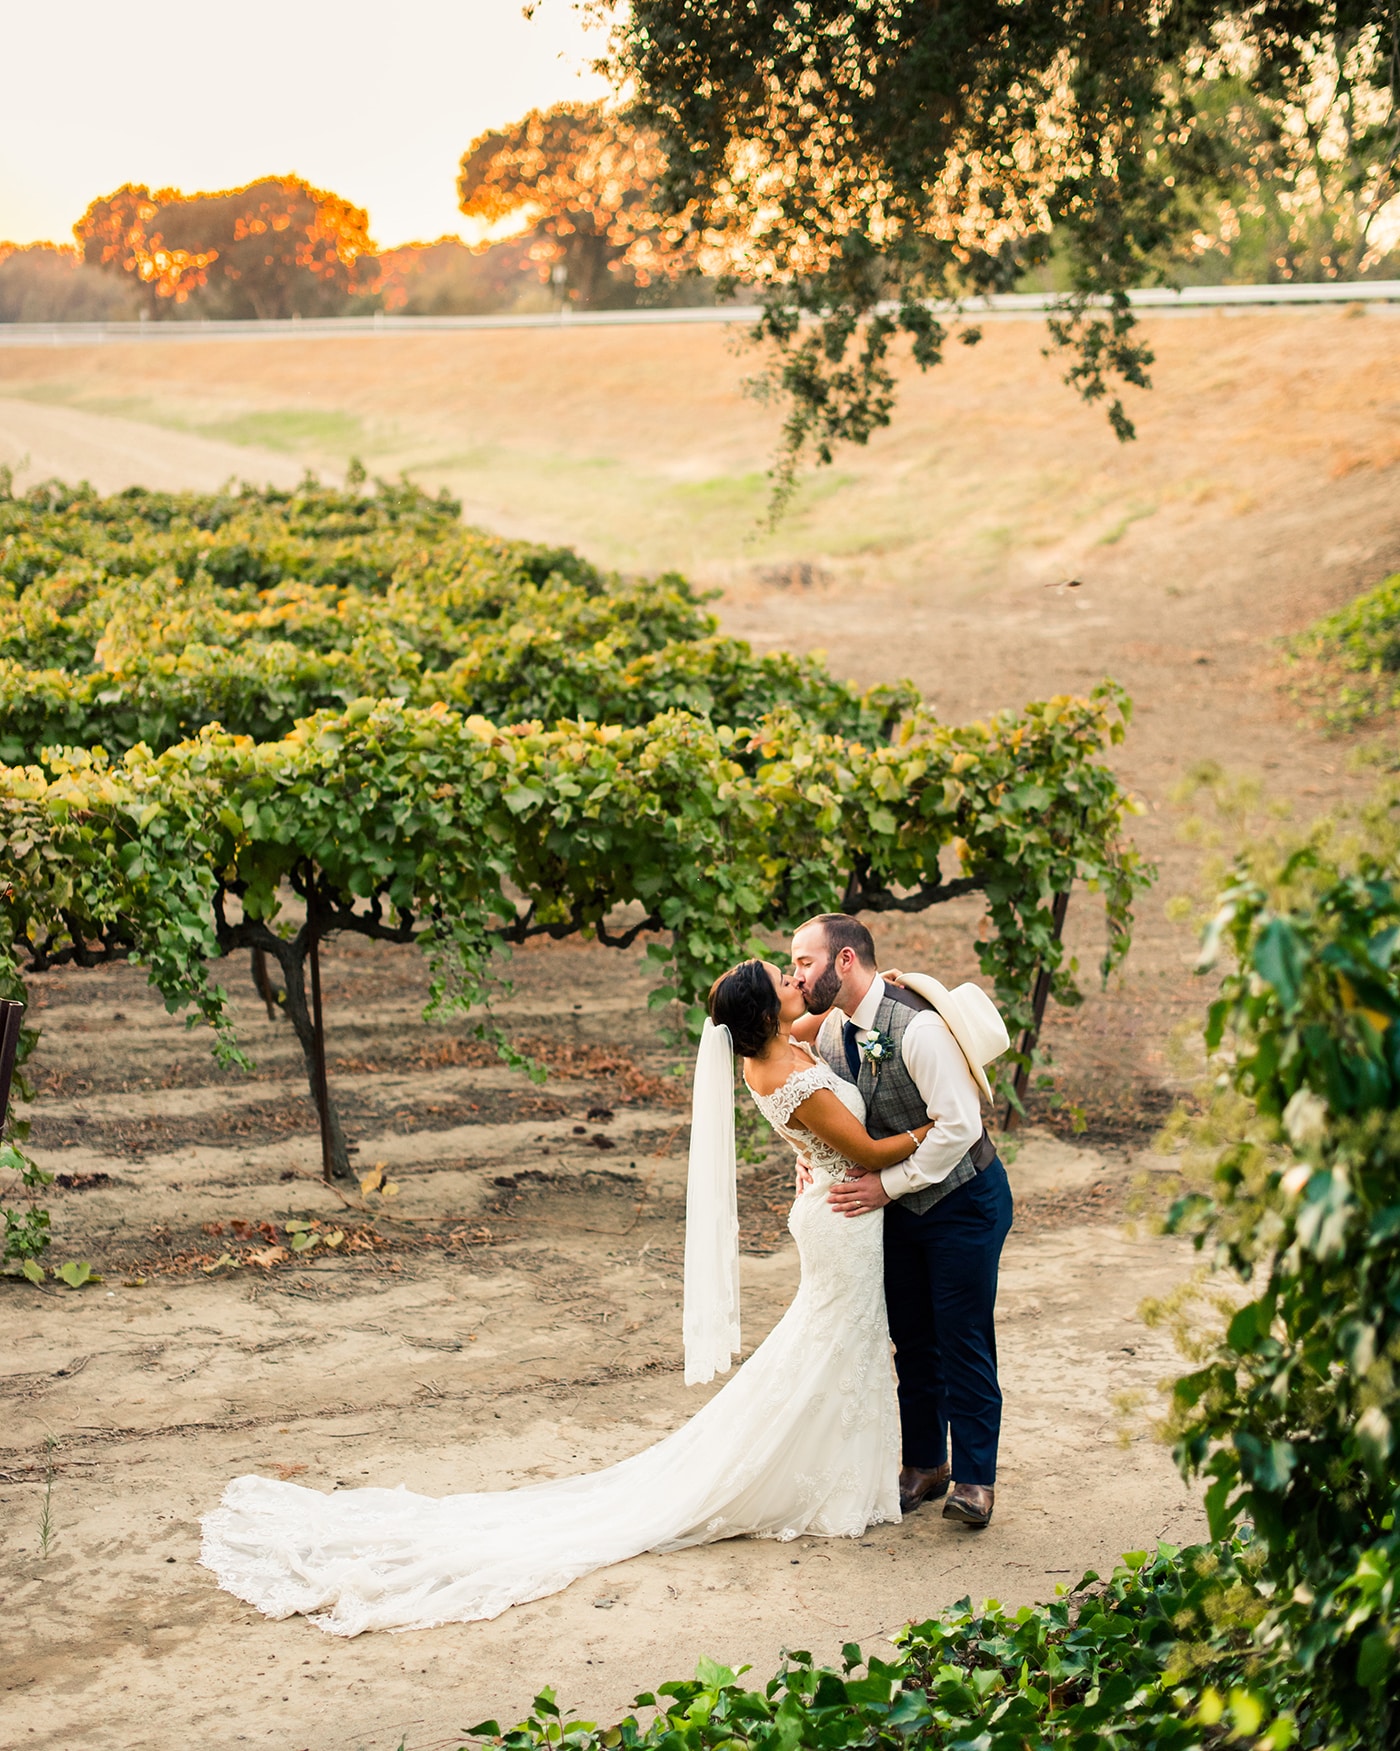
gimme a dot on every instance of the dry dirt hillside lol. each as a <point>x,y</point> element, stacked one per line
<point>514,1313</point>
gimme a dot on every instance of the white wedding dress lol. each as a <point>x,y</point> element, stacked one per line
<point>803,1440</point>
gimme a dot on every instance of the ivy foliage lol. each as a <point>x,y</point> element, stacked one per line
<point>25,1231</point>
<point>145,616</point>
<point>1159,1657</point>
<point>1295,1414</point>
<point>423,824</point>
<point>1351,659</point>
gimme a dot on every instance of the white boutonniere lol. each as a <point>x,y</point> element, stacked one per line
<point>875,1049</point>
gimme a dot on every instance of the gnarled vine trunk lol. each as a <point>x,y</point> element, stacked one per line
<point>293,955</point>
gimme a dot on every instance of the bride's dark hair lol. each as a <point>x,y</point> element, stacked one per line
<point>744,1001</point>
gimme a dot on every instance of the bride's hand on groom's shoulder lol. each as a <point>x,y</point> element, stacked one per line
<point>893,976</point>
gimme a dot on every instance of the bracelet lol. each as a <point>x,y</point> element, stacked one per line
<point>913,1139</point>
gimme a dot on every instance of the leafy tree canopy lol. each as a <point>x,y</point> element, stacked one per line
<point>447,278</point>
<point>856,159</point>
<point>50,282</point>
<point>276,248</point>
<point>582,181</point>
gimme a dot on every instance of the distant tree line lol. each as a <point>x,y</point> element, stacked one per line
<point>1253,148</point>
<point>563,197</point>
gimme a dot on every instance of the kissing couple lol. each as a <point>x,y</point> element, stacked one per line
<point>902,1207</point>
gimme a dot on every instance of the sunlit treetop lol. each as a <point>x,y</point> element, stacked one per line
<point>583,182</point>
<point>276,248</point>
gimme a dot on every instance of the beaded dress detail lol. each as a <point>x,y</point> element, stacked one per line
<point>802,1440</point>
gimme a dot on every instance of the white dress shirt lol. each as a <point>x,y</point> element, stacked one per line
<point>935,1062</point>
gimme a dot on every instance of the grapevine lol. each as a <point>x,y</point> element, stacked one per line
<point>424,825</point>
<point>145,617</point>
<point>246,721</point>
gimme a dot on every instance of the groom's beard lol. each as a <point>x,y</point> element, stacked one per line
<point>822,992</point>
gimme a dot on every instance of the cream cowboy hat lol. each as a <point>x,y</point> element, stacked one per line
<point>973,1020</point>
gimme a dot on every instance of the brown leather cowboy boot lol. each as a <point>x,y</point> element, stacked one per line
<point>917,1486</point>
<point>970,1504</point>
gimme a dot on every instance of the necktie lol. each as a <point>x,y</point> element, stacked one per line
<point>848,1033</point>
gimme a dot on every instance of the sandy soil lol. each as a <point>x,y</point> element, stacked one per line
<point>514,1314</point>
<point>514,1311</point>
<point>42,443</point>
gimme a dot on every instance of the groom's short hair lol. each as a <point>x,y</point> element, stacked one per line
<point>843,931</point>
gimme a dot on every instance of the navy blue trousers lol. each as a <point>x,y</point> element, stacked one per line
<point>941,1294</point>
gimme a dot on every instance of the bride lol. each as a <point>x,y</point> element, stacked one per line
<point>803,1440</point>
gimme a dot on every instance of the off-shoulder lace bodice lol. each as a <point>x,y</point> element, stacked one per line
<point>779,1107</point>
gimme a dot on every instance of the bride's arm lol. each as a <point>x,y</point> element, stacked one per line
<point>826,1117</point>
<point>807,1027</point>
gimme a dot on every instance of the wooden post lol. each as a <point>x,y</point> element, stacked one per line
<point>11,1017</point>
<point>318,1029</point>
<point>1032,1033</point>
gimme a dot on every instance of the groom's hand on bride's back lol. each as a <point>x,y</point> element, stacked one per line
<point>858,1197</point>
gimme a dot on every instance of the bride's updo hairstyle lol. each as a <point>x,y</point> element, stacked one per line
<point>744,1001</point>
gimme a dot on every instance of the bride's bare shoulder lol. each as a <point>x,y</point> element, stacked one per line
<point>766,1076</point>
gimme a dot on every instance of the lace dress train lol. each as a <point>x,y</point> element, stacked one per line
<point>803,1440</point>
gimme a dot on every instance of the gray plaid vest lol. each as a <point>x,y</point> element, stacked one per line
<point>892,1102</point>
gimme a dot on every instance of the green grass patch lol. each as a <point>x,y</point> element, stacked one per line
<point>998,539</point>
<point>727,492</point>
<point>55,394</point>
<point>1136,513</point>
<point>292,429</point>
<point>483,456</point>
<point>132,407</point>
<point>749,492</point>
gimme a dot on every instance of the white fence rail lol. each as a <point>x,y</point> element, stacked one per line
<point>1158,300</point>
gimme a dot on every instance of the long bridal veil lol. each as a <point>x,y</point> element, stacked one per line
<point>710,1323</point>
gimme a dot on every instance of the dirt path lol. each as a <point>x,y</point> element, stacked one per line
<point>119,1640</point>
<point>514,1311</point>
<point>505,1325</point>
<point>39,442</point>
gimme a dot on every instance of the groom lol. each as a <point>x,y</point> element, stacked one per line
<point>950,1208</point>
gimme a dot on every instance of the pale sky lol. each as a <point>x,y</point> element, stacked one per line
<point>375,102</point>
